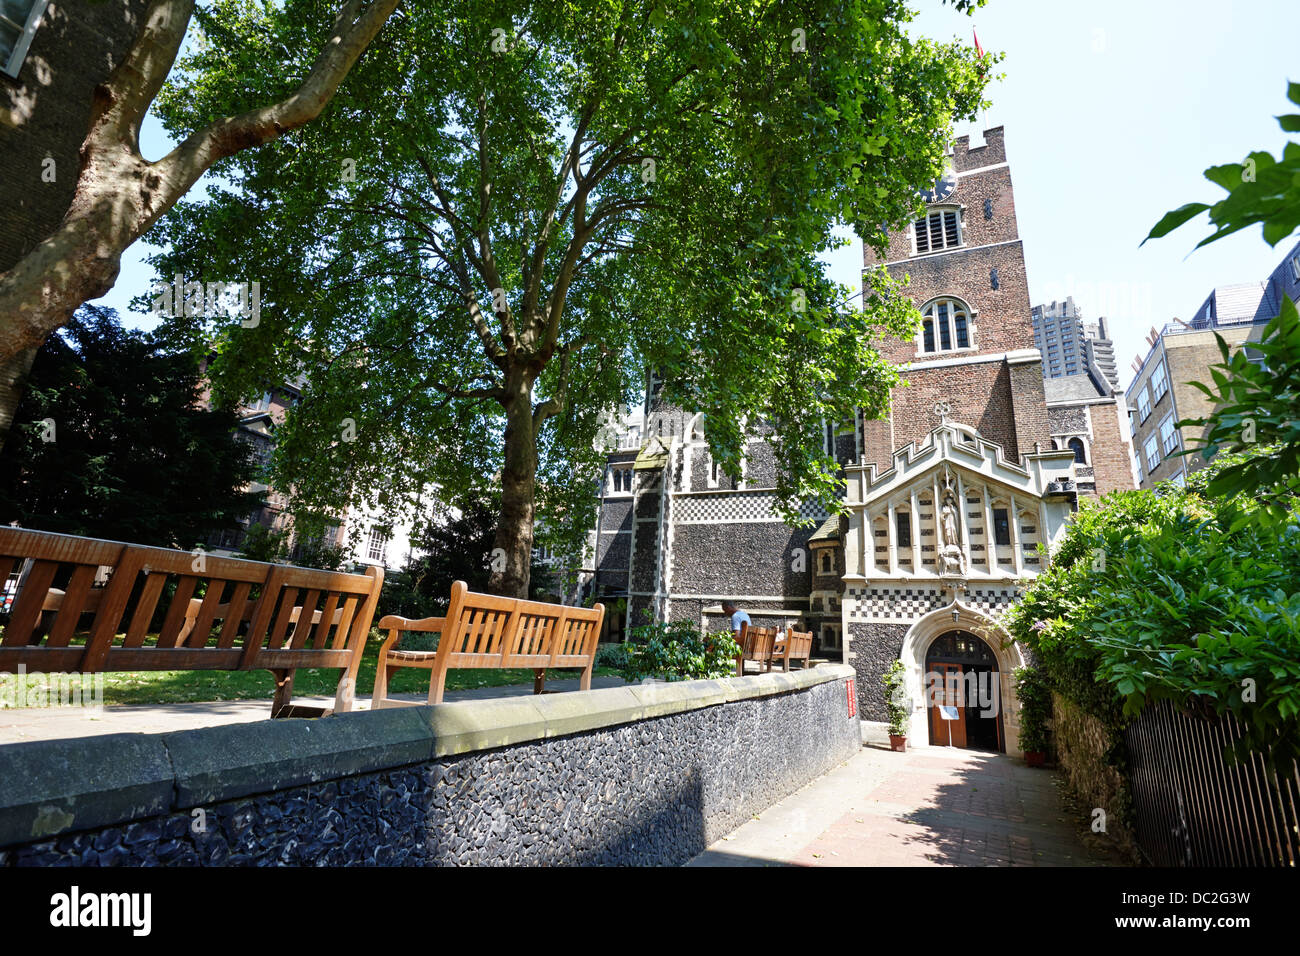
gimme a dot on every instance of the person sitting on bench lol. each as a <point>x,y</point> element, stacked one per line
<point>738,617</point>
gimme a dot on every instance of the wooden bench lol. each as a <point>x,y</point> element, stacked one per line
<point>796,646</point>
<point>756,644</point>
<point>248,615</point>
<point>485,631</point>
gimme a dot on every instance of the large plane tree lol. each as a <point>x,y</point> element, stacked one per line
<point>119,193</point>
<point>514,208</point>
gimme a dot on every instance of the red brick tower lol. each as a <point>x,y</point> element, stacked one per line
<point>976,350</point>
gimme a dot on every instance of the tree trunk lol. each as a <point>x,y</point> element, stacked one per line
<point>13,375</point>
<point>513,552</point>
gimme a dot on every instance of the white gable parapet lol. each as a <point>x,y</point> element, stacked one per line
<point>953,513</point>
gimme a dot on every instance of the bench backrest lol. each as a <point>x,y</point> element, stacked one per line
<point>799,644</point>
<point>484,630</point>
<point>249,614</point>
<point>757,643</point>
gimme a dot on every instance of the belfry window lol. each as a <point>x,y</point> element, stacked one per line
<point>940,229</point>
<point>946,324</point>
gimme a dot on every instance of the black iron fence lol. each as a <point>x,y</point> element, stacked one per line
<point>1193,807</point>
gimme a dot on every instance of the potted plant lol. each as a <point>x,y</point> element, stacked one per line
<point>896,706</point>
<point>1035,711</point>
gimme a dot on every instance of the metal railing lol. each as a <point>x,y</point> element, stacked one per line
<point>1192,807</point>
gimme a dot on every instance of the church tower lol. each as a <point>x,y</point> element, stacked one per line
<point>960,485</point>
<point>975,350</point>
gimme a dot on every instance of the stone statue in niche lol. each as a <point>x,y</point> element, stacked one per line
<point>950,551</point>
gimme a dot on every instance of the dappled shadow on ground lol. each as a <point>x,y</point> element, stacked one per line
<point>963,808</point>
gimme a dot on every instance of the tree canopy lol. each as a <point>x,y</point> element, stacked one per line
<point>110,441</point>
<point>513,209</point>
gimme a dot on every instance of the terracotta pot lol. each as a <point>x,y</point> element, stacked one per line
<point>1035,758</point>
<point>897,743</point>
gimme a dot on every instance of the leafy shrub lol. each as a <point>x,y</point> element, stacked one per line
<point>1173,595</point>
<point>611,655</point>
<point>896,709</point>
<point>676,651</point>
<point>1035,698</point>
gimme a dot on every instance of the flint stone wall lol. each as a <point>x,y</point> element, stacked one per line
<point>643,775</point>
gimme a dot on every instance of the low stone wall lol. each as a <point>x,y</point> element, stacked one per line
<point>645,774</point>
<point>1090,757</point>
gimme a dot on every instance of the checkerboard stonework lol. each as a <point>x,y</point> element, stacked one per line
<point>734,507</point>
<point>908,604</point>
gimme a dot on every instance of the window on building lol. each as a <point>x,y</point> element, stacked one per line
<point>1152,450</point>
<point>1144,404</point>
<point>1159,383</point>
<point>1076,446</point>
<point>377,547</point>
<point>1180,479</point>
<point>828,566</point>
<point>1295,266</point>
<point>18,20</point>
<point>1001,526</point>
<point>903,522</point>
<point>1168,434</point>
<point>1141,474</point>
<point>988,209</point>
<point>945,324</point>
<point>941,229</point>
<point>263,403</point>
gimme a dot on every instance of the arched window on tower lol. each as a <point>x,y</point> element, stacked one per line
<point>946,326</point>
<point>1076,446</point>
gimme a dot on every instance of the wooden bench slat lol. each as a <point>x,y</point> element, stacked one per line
<point>344,630</point>
<point>174,620</point>
<point>111,608</point>
<point>320,636</point>
<point>288,600</point>
<point>27,608</point>
<point>201,628</point>
<point>277,660</point>
<point>302,628</point>
<point>259,624</point>
<point>234,615</point>
<point>144,610</point>
<point>72,606</point>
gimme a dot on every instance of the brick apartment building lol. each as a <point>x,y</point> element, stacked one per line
<point>948,497</point>
<point>1161,394</point>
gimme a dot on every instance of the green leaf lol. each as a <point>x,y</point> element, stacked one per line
<point>1175,218</point>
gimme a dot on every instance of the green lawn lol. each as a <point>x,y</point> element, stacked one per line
<point>178,687</point>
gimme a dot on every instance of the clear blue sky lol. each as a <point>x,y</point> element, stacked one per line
<point>1112,109</point>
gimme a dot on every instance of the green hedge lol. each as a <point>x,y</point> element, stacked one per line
<point>1168,594</point>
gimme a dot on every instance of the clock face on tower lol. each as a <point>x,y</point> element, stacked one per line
<point>943,187</point>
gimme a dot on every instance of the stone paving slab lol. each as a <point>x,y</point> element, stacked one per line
<point>930,806</point>
<point>56,723</point>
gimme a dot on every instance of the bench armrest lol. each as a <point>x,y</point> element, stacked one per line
<point>392,622</point>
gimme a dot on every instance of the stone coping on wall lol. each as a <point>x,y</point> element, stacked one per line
<point>50,787</point>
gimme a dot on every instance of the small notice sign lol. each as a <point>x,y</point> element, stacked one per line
<point>948,713</point>
<point>853,699</point>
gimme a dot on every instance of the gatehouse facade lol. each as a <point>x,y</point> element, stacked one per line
<point>953,501</point>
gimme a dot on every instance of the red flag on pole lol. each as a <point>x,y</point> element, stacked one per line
<point>979,51</point>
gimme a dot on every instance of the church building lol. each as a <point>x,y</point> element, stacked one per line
<point>948,498</point>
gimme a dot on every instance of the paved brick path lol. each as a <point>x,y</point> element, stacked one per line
<point>926,807</point>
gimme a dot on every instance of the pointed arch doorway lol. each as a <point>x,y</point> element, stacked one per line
<point>964,709</point>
